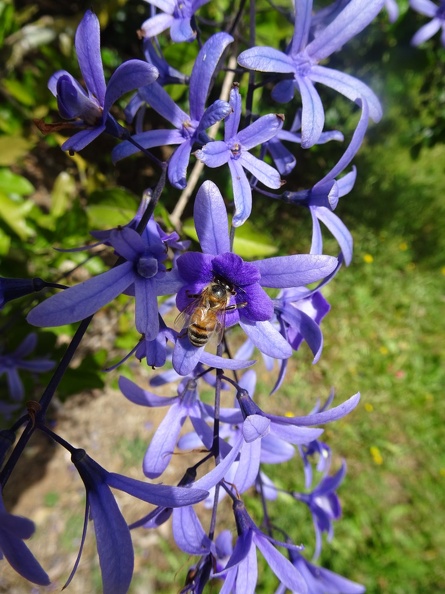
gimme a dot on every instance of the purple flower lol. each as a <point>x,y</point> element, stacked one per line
<point>392,9</point>
<point>92,109</point>
<point>190,129</point>
<point>324,506</point>
<point>13,530</point>
<point>113,538</point>
<point>437,16</point>
<point>320,580</point>
<point>175,15</point>
<point>234,150</point>
<point>241,571</point>
<point>322,198</point>
<point>11,363</point>
<point>250,306</point>
<point>302,62</point>
<point>143,275</point>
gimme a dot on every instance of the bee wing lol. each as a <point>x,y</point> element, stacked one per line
<point>183,319</point>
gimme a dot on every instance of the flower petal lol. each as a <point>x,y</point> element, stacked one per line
<point>128,76</point>
<point>211,222</point>
<point>87,43</point>
<point>294,271</point>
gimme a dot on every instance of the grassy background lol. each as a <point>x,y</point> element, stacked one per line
<point>384,336</point>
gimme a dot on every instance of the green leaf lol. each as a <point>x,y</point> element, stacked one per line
<point>248,243</point>
<point>5,242</point>
<point>11,183</point>
<point>13,148</point>
<point>20,92</point>
<point>110,208</point>
<point>14,214</point>
<point>64,190</point>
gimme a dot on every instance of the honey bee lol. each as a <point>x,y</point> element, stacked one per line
<point>205,316</point>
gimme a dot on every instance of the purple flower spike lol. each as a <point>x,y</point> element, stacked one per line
<point>13,530</point>
<point>142,274</point>
<point>241,571</point>
<point>92,109</point>
<point>176,16</point>
<point>234,150</point>
<point>190,128</point>
<point>437,22</point>
<point>113,538</point>
<point>302,61</point>
<point>11,363</point>
<point>249,305</point>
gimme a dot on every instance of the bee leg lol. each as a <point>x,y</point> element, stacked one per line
<point>236,306</point>
<point>193,295</point>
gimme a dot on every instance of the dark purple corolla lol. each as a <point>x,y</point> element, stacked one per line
<point>91,109</point>
<point>143,274</point>
<point>113,538</point>
<point>234,151</point>
<point>10,363</point>
<point>13,530</point>
<point>252,307</point>
<point>176,16</point>
<point>302,62</point>
<point>437,22</point>
<point>189,129</point>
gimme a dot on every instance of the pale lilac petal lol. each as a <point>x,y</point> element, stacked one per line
<point>349,86</point>
<point>217,474</point>
<point>177,167</point>
<point>346,183</point>
<point>147,140</point>
<point>181,30</point>
<point>188,532</point>
<point>260,131</point>
<point>255,427</point>
<point>426,32</point>
<point>163,443</point>
<point>214,154</point>
<point>162,495</point>
<point>249,466</point>
<point>185,356</point>
<point>352,20</point>
<point>338,230</point>
<point>326,416</point>
<point>282,567</point>
<point>303,18</point>
<point>137,395</point>
<point>157,24</point>
<point>242,193</point>
<point>204,70</point>
<point>80,140</point>
<point>232,122</point>
<point>317,237</point>
<point>266,59</point>
<point>146,314</point>
<point>223,363</point>
<point>264,173</point>
<point>158,98</point>
<point>425,7</point>
<point>87,43</point>
<point>308,328</point>
<point>211,222</point>
<point>128,76</point>
<point>267,339</point>
<point>312,114</point>
<point>79,302</point>
<point>293,271</point>
<point>296,435</point>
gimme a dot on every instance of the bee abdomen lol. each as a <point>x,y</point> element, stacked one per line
<point>198,335</point>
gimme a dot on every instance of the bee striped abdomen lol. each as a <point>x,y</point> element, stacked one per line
<point>203,323</point>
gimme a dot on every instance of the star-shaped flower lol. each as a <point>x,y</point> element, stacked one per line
<point>234,150</point>
<point>250,306</point>
<point>190,129</point>
<point>91,109</point>
<point>437,22</point>
<point>301,62</point>
<point>175,15</point>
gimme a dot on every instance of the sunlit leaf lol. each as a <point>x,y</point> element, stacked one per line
<point>11,183</point>
<point>14,215</point>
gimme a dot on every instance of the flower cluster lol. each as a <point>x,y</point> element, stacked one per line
<point>270,305</point>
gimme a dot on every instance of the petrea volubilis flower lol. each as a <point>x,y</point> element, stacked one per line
<point>113,538</point>
<point>91,109</point>
<point>324,505</point>
<point>143,275</point>
<point>175,15</point>
<point>12,362</point>
<point>320,580</point>
<point>190,129</point>
<point>250,306</point>
<point>13,530</point>
<point>302,61</point>
<point>322,198</point>
<point>14,288</point>
<point>437,22</point>
<point>241,571</point>
<point>234,150</point>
